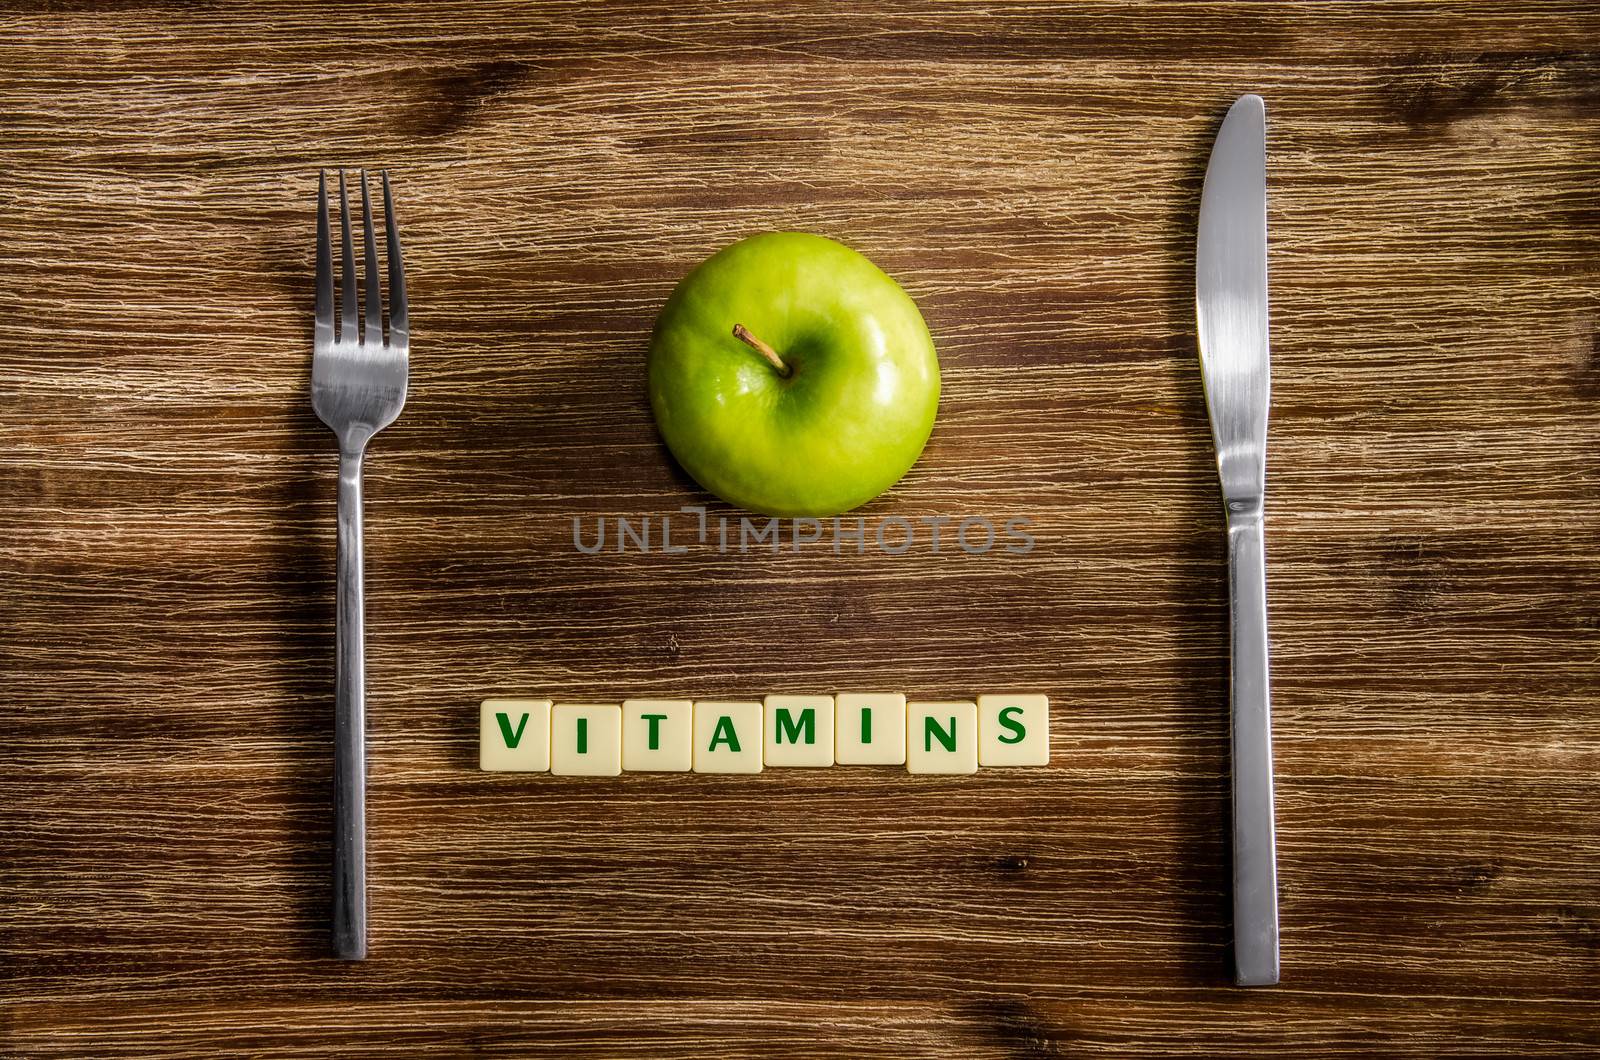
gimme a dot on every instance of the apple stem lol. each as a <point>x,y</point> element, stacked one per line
<point>742,333</point>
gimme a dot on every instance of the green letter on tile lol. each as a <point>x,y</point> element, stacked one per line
<point>655,721</point>
<point>931,732</point>
<point>791,727</point>
<point>583,736</point>
<point>1018,731</point>
<point>724,733</point>
<point>866,724</point>
<point>511,738</point>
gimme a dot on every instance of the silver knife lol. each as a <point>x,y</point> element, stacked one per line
<point>1230,286</point>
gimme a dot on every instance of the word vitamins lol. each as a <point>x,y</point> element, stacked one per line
<point>726,736</point>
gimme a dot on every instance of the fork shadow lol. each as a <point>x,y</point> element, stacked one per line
<point>301,553</point>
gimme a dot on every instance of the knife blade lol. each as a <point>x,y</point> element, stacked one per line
<point>1231,312</point>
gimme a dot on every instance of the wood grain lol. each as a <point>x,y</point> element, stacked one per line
<point>1030,173</point>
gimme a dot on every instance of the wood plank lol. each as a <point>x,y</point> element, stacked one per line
<point>1030,173</point>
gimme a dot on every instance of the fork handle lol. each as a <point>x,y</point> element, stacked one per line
<point>349,726</point>
<point>1255,870</point>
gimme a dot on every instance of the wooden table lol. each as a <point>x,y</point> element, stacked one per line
<point>1030,173</point>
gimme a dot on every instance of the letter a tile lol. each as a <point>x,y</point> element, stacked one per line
<point>727,737</point>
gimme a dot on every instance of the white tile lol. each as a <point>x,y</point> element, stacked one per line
<point>799,731</point>
<point>727,737</point>
<point>942,737</point>
<point>1014,730</point>
<point>586,739</point>
<point>514,735</point>
<point>870,729</point>
<point>657,735</point>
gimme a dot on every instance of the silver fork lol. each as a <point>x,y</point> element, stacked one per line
<point>358,387</point>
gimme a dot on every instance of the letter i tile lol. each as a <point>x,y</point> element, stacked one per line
<point>586,740</point>
<point>870,729</point>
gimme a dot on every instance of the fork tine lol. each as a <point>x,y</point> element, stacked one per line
<point>374,325</point>
<point>324,329</point>
<point>399,320</point>
<point>348,295</point>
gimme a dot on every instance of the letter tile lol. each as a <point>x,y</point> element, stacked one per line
<point>942,737</point>
<point>870,729</point>
<point>727,737</point>
<point>586,740</point>
<point>514,735</point>
<point>1014,730</point>
<point>657,735</point>
<point>799,731</point>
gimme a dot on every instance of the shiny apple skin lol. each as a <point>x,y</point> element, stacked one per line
<point>856,409</point>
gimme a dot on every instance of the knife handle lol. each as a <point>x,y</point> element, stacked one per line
<point>1255,869</point>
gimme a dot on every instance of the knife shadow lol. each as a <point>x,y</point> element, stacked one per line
<point>1204,874</point>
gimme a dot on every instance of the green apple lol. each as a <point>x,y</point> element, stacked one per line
<point>790,376</point>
